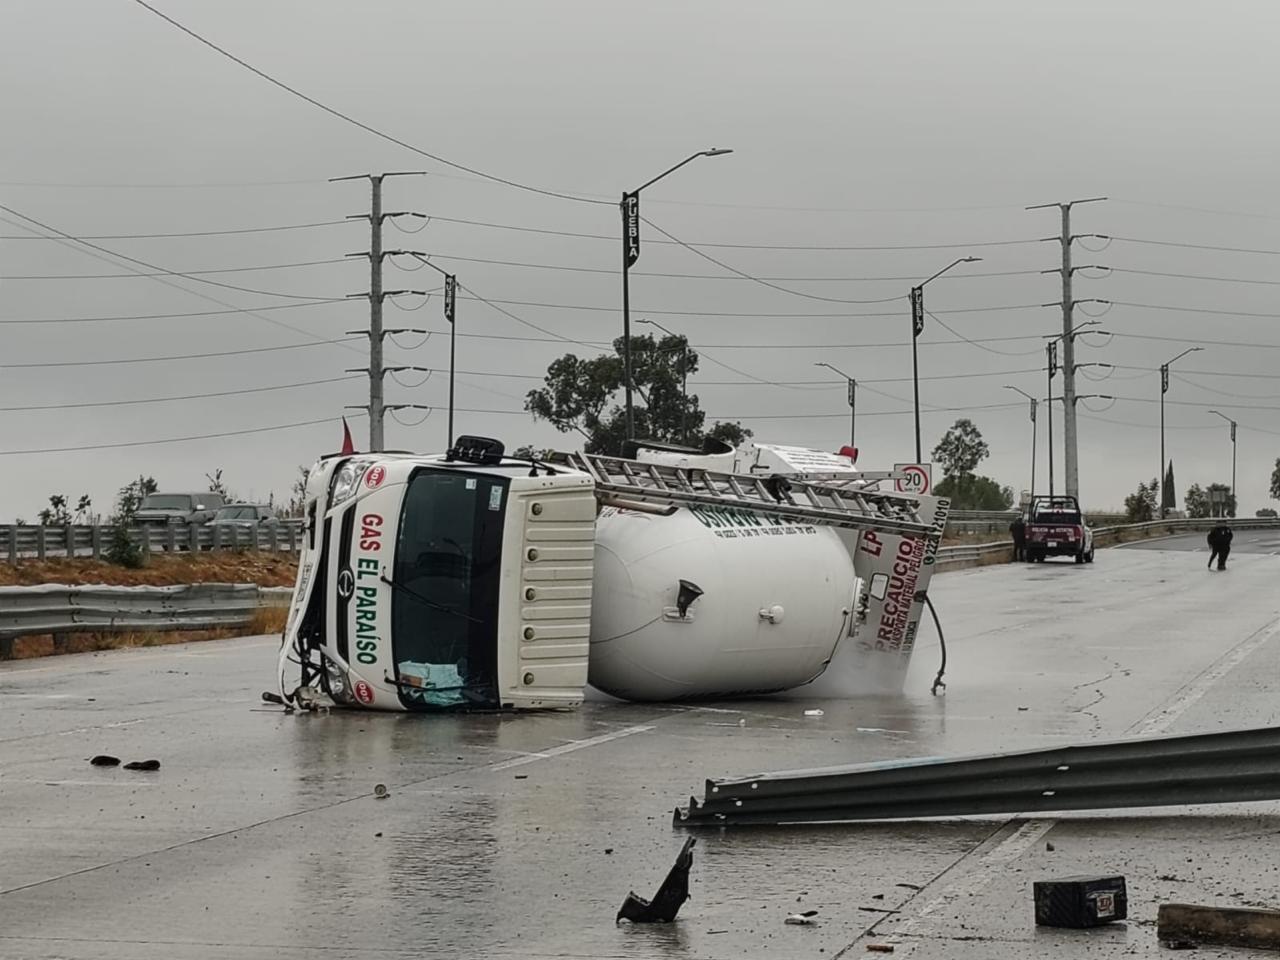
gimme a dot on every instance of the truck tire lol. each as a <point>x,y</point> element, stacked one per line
<point>1080,555</point>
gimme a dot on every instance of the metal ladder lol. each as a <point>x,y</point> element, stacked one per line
<point>840,503</point>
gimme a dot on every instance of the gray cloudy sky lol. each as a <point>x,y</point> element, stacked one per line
<point>854,124</point>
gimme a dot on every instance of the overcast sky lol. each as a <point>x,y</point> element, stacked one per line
<point>922,129</point>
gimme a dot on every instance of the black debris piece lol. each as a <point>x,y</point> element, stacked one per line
<point>103,760</point>
<point>143,765</point>
<point>1080,901</point>
<point>666,903</point>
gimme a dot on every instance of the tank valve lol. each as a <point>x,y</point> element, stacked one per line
<point>689,592</point>
<point>773,614</point>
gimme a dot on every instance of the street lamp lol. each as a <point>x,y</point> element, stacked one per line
<point>630,207</point>
<point>1233,452</point>
<point>1164,388</point>
<point>450,315</point>
<point>853,401</point>
<point>917,327</point>
<point>1034,403</point>
<point>684,378</point>
<point>1051,365</point>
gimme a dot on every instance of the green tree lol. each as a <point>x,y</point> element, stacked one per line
<point>1267,513</point>
<point>131,496</point>
<point>1169,492</point>
<point>975,493</point>
<point>59,514</point>
<point>218,486</point>
<point>584,396</point>
<point>1197,502</point>
<point>1140,506</point>
<point>1275,481</point>
<point>298,501</point>
<point>731,432</point>
<point>1224,505</point>
<point>961,449</point>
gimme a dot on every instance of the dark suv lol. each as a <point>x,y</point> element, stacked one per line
<point>161,509</point>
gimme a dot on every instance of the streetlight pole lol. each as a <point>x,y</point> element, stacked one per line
<point>630,207</point>
<point>1034,404</point>
<point>1164,388</point>
<point>917,327</point>
<point>853,402</point>
<point>1051,365</point>
<point>450,316</point>
<point>1233,458</point>
<point>684,378</point>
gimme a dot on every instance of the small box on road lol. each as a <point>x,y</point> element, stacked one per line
<point>1080,901</point>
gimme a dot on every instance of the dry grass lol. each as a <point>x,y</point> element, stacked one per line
<point>268,620</point>
<point>163,569</point>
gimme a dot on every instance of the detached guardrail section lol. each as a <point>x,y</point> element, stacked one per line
<point>1242,765</point>
<point>43,542</point>
<point>63,610</point>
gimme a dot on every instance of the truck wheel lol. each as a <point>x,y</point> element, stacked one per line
<point>1089,556</point>
<point>1080,556</point>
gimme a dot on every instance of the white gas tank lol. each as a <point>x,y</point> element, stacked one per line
<point>775,599</point>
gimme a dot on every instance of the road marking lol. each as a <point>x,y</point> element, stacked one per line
<point>1000,852</point>
<point>570,747</point>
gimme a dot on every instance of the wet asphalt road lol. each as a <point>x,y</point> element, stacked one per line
<point>1244,541</point>
<point>519,836</point>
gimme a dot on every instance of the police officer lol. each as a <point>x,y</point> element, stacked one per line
<point>1018,531</point>
<point>1219,545</point>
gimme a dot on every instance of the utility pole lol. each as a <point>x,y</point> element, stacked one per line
<point>1164,388</point>
<point>1233,455</point>
<point>1051,364</point>
<point>376,295</point>
<point>1071,448</point>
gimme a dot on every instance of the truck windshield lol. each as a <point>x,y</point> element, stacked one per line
<point>444,622</point>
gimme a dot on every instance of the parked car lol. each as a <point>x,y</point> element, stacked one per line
<point>161,509</point>
<point>244,515</point>
<point>1056,528</point>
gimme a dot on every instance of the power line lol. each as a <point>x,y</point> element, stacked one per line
<point>175,316</point>
<point>151,443</point>
<point>980,343</point>
<point>613,271</point>
<point>737,246</point>
<point>1220,313</point>
<point>352,120</point>
<point>1180,206</point>
<point>994,308</point>
<point>196,233</point>
<point>98,252</point>
<point>1194,246</point>
<point>181,356</point>
<point>870,413</point>
<point>189,396</point>
<point>764,283</point>
<point>1193,276</point>
<point>160,186</point>
<point>185,273</point>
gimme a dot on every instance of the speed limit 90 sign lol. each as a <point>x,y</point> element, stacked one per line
<point>915,478</point>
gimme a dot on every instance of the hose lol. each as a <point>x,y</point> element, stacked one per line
<point>942,642</point>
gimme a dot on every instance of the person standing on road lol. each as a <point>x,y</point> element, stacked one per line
<point>1018,531</point>
<point>1219,545</point>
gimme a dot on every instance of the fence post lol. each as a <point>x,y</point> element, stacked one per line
<point>13,543</point>
<point>96,539</point>
<point>170,538</point>
<point>69,539</point>
<point>193,537</point>
<point>217,537</point>
<point>40,541</point>
<point>274,540</point>
<point>293,538</point>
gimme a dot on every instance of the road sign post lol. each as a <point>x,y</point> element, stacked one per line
<point>913,478</point>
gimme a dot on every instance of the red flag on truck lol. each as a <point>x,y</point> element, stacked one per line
<point>348,445</point>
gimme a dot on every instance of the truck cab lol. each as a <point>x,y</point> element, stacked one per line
<point>459,581</point>
<point>1055,527</point>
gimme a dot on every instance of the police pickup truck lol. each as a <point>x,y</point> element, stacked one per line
<point>1056,528</point>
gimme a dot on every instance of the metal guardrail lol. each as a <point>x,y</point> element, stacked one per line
<point>41,542</point>
<point>63,610</point>
<point>1241,765</point>
<point>972,556</point>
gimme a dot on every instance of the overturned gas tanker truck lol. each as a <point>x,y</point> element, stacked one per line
<point>476,580</point>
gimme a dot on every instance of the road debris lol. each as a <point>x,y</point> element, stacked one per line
<point>380,791</point>
<point>1228,926</point>
<point>105,760</point>
<point>147,765</point>
<point>1077,902</point>
<point>666,903</point>
<point>879,948</point>
<point>815,713</point>
<point>802,919</point>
